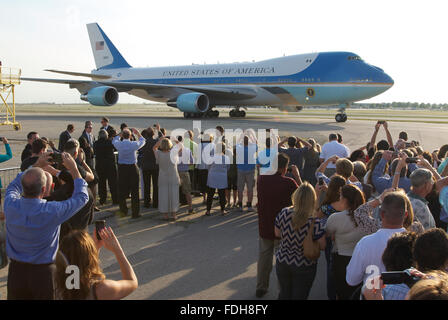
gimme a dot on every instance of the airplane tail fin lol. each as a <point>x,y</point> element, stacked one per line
<point>105,54</point>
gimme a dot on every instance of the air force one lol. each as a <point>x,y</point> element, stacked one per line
<point>287,83</point>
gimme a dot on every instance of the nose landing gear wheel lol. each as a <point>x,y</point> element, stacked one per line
<point>341,117</point>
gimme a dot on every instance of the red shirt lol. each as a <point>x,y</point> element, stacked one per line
<point>274,193</point>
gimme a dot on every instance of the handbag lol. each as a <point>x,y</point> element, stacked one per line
<point>311,248</point>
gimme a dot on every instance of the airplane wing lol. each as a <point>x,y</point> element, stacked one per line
<point>80,74</point>
<point>123,86</point>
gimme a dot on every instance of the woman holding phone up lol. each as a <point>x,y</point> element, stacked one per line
<point>78,248</point>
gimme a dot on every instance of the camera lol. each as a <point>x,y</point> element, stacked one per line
<point>1,138</point>
<point>381,121</point>
<point>99,225</point>
<point>397,277</point>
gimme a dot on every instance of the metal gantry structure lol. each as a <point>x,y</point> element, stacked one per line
<point>9,78</point>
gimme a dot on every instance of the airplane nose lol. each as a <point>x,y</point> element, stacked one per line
<point>381,76</point>
<point>389,79</point>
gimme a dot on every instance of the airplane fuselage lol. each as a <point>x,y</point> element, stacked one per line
<point>326,78</point>
<point>287,83</point>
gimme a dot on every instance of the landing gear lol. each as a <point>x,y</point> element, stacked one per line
<point>207,114</point>
<point>237,113</point>
<point>342,116</point>
<point>211,114</point>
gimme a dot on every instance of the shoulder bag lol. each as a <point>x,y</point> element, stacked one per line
<point>311,248</point>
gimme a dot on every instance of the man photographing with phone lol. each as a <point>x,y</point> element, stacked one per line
<point>33,227</point>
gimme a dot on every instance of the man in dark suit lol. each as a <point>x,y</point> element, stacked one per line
<point>90,156</point>
<point>87,133</point>
<point>65,136</point>
<point>106,167</point>
<point>26,153</point>
<point>105,125</point>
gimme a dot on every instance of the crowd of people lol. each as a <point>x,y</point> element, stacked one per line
<point>372,210</point>
<point>379,208</point>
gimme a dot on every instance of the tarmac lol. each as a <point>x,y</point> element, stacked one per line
<point>199,257</point>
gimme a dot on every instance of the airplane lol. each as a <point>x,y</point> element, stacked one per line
<point>288,83</point>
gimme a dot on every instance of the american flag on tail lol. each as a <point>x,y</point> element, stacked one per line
<point>99,45</point>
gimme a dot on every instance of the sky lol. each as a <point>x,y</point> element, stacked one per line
<point>407,39</point>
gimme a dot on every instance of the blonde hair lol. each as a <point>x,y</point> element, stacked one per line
<point>166,144</point>
<point>78,248</point>
<point>407,223</point>
<point>304,204</point>
<point>344,167</point>
<point>435,288</point>
<point>313,145</point>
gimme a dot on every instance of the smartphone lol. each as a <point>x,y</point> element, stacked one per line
<point>289,169</point>
<point>411,160</point>
<point>397,277</point>
<point>321,181</point>
<point>394,277</point>
<point>99,225</point>
<point>381,121</point>
<point>1,138</point>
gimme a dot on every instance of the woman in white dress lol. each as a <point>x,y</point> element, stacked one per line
<point>167,157</point>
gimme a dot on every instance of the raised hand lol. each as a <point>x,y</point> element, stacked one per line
<point>43,160</point>
<point>110,241</point>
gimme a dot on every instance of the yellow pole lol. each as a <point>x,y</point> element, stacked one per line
<point>13,105</point>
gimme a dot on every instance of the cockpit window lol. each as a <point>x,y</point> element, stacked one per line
<point>354,58</point>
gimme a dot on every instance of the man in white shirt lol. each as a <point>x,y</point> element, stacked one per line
<point>330,149</point>
<point>367,257</point>
<point>128,176</point>
<point>194,149</point>
<point>421,185</point>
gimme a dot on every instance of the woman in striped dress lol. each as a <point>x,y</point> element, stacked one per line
<point>294,271</point>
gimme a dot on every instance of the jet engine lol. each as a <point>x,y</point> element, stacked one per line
<point>101,96</point>
<point>192,102</point>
